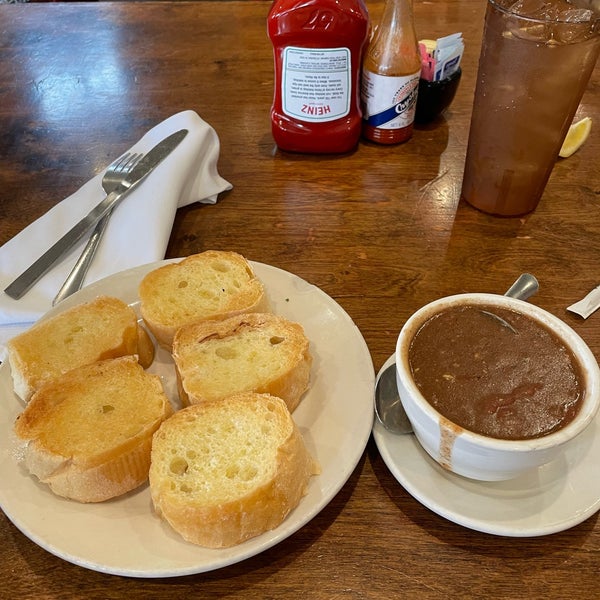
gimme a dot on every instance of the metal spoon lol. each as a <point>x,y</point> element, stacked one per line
<point>388,407</point>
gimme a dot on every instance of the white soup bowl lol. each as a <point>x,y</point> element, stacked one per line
<point>478,456</point>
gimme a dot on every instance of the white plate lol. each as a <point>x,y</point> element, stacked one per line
<point>124,536</point>
<point>549,499</point>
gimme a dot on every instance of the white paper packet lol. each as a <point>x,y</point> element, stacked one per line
<point>584,308</point>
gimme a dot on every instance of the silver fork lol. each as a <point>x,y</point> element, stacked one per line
<point>112,178</point>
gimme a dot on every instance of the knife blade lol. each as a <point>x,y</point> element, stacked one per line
<point>23,283</point>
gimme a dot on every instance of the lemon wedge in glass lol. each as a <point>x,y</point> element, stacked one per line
<point>576,136</point>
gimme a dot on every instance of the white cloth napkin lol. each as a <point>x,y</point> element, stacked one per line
<point>139,228</point>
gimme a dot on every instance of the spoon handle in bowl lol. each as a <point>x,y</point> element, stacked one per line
<point>524,287</point>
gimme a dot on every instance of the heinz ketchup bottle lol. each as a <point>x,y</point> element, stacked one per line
<point>317,48</point>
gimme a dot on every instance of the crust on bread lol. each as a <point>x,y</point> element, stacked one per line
<point>145,347</point>
<point>225,471</point>
<point>88,433</point>
<point>211,285</point>
<point>103,328</point>
<point>255,352</point>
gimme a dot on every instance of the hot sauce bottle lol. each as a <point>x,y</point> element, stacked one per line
<point>390,78</point>
<point>317,48</point>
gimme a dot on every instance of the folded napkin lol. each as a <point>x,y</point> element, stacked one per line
<point>139,228</point>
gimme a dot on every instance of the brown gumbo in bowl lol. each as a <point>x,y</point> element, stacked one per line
<point>486,378</point>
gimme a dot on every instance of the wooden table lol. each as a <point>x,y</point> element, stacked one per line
<point>380,230</point>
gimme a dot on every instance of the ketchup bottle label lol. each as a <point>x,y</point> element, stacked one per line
<point>316,83</point>
<point>389,102</point>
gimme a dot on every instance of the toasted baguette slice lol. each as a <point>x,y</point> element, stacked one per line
<point>255,352</point>
<point>210,285</point>
<point>223,472</point>
<point>88,433</point>
<point>98,330</point>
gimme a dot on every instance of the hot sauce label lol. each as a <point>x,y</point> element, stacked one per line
<point>389,102</point>
<point>316,83</point>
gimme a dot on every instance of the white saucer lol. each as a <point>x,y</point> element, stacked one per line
<point>552,498</point>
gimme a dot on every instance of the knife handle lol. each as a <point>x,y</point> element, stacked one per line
<point>21,285</point>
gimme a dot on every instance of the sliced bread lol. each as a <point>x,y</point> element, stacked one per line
<point>255,352</point>
<point>88,433</point>
<point>101,329</point>
<point>223,472</point>
<point>210,285</point>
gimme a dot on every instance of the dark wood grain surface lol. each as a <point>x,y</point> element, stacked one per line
<point>380,230</point>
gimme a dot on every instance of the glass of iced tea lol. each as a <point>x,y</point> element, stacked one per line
<point>536,59</point>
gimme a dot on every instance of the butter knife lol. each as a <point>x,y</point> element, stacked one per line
<point>23,283</point>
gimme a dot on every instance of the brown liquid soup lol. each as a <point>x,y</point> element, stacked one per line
<point>482,376</point>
